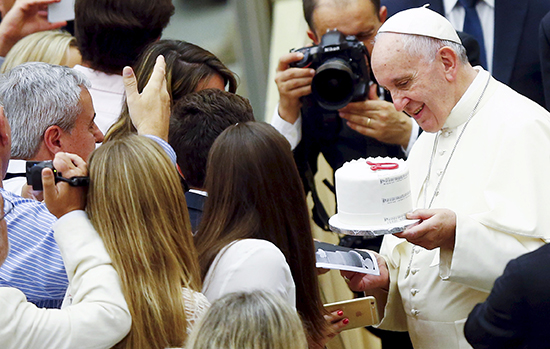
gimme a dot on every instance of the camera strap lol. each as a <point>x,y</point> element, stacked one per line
<point>320,216</point>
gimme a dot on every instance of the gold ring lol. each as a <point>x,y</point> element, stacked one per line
<point>368,122</point>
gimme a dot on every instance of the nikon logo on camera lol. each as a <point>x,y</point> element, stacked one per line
<point>332,49</point>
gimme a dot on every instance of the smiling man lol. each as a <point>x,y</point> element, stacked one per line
<point>478,180</point>
<point>58,116</point>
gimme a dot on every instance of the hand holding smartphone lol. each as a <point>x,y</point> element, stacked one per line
<point>361,312</point>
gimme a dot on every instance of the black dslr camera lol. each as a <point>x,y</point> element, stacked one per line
<point>341,70</point>
<point>34,175</point>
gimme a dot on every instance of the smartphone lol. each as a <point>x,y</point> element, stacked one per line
<point>61,11</point>
<point>361,312</point>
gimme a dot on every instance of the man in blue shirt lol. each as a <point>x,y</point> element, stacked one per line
<point>34,264</point>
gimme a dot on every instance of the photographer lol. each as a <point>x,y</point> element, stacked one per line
<point>30,225</point>
<point>370,127</point>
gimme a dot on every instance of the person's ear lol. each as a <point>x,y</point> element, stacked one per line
<point>450,61</point>
<point>383,14</point>
<point>312,36</point>
<point>53,139</point>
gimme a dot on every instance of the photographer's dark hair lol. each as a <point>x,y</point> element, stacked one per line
<point>197,120</point>
<point>309,7</point>
<point>111,34</point>
<point>187,67</point>
<point>255,191</point>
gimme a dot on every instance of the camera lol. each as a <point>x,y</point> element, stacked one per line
<point>34,175</point>
<point>341,70</point>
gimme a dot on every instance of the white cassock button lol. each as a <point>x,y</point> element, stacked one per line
<point>415,312</point>
<point>442,152</point>
<point>440,172</point>
<point>414,271</point>
<point>414,291</point>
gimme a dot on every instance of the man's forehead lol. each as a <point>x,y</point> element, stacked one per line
<point>387,44</point>
<point>348,16</point>
<point>333,3</point>
<point>388,50</point>
<point>86,102</point>
<point>342,5</point>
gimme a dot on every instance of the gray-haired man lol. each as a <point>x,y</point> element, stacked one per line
<point>50,110</point>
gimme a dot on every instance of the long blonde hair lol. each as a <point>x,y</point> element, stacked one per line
<point>137,205</point>
<point>251,320</point>
<point>51,46</point>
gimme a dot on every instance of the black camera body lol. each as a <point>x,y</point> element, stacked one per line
<point>341,70</point>
<point>34,175</point>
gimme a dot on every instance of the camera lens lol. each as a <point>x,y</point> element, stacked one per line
<point>332,84</point>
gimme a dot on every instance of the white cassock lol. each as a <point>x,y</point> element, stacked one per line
<point>498,184</point>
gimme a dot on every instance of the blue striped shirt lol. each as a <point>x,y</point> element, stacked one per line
<point>34,264</point>
<point>164,145</point>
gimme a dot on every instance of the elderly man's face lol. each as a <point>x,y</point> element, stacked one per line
<point>358,18</point>
<point>85,134</point>
<point>417,86</point>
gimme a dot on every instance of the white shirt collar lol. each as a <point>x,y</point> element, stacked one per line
<point>199,192</point>
<point>448,5</point>
<point>463,108</point>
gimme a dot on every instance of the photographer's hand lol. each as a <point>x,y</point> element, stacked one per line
<point>378,119</point>
<point>61,198</point>
<point>28,193</point>
<point>292,83</point>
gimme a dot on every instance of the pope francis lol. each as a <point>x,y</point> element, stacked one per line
<point>479,181</point>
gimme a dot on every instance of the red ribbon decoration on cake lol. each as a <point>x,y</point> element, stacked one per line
<point>382,166</point>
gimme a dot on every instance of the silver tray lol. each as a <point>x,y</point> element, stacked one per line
<point>369,232</point>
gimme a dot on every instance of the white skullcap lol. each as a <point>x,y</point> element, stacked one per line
<point>421,21</point>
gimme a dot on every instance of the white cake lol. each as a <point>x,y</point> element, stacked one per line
<point>373,192</point>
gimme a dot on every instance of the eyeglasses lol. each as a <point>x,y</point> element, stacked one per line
<point>8,207</point>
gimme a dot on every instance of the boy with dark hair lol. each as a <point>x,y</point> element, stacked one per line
<point>197,120</point>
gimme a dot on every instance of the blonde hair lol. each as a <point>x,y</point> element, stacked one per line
<point>251,320</point>
<point>137,205</point>
<point>51,46</point>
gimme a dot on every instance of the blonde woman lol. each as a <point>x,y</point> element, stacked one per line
<point>137,205</point>
<point>51,46</point>
<point>257,319</point>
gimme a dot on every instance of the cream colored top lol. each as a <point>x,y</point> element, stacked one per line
<point>98,317</point>
<point>250,264</point>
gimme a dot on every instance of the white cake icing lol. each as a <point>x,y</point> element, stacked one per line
<point>373,195</point>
